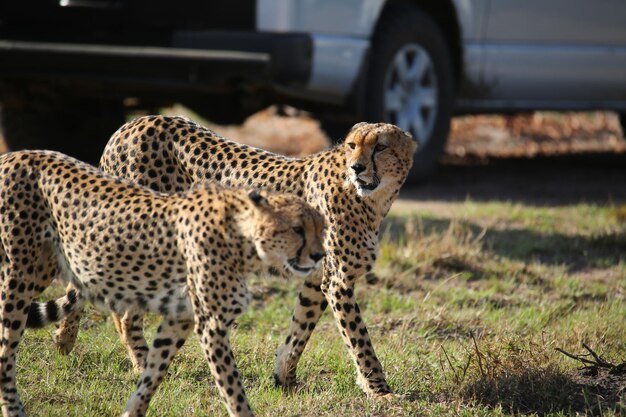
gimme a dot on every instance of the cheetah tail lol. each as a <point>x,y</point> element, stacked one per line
<point>42,314</point>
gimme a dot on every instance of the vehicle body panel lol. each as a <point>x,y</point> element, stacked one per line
<point>337,62</point>
<point>355,18</point>
<point>558,54</point>
<point>472,21</point>
<point>472,18</point>
<point>564,22</point>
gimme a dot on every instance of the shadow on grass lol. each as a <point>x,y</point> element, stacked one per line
<point>553,180</point>
<point>544,391</point>
<point>576,252</point>
<point>552,249</point>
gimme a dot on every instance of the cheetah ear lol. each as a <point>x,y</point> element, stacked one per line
<point>414,144</point>
<point>352,129</point>
<point>257,199</point>
<point>358,125</point>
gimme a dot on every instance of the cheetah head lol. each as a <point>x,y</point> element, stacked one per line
<point>377,154</point>
<point>287,232</point>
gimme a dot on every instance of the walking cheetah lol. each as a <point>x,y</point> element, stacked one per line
<point>353,185</point>
<point>128,248</point>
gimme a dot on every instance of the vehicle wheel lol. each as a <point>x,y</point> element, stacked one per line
<point>410,83</point>
<point>76,127</point>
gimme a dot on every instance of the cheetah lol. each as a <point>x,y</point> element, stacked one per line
<point>352,185</point>
<point>124,247</point>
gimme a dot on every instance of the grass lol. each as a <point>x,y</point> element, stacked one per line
<point>465,310</point>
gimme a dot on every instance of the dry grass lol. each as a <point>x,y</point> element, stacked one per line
<point>463,312</point>
<point>279,129</point>
<point>522,377</point>
<point>533,134</point>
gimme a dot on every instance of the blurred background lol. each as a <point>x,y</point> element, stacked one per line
<point>508,241</point>
<point>74,70</point>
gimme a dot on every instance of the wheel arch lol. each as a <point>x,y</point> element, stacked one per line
<point>444,13</point>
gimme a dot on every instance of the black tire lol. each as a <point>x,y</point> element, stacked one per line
<point>76,127</point>
<point>405,27</point>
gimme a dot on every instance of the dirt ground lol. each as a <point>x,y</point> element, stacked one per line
<point>280,129</point>
<point>538,158</point>
<point>534,134</point>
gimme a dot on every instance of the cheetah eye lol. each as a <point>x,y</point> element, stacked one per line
<point>351,145</point>
<point>380,147</point>
<point>299,230</point>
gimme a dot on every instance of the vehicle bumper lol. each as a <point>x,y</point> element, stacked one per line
<point>202,61</point>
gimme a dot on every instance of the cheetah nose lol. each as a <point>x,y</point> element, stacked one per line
<point>317,256</point>
<point>358,168</point>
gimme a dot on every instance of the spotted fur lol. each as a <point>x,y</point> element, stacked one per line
<point>126,248</point>
<point>353,185</point>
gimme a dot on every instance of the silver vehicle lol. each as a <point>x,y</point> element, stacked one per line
<point>414,63</point>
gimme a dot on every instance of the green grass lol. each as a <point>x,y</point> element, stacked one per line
<point>465,311</point>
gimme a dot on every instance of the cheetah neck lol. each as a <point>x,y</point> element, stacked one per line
<point>239,220</point>
<point>237,165</point>
<point>327,168</point>
<point>232,164</point>
<point>376,205</point>
<point>230,220</point>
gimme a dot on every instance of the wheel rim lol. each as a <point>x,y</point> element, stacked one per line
<point>411,93</point>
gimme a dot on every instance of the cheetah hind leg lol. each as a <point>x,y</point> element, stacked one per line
<point>12,324</point>
<point>170,337</point>
<point>9,338</point>
<point>130,329</point>
<point>213,336</point>
<point>67,333</point>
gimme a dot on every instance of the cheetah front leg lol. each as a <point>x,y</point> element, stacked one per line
<point>370,376</point>
<point>213,335</point>
<point>170,337</point>
<point>309,308</point>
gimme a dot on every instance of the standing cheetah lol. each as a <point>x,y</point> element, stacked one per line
<point>127,248</point>
<point>352,185</point>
